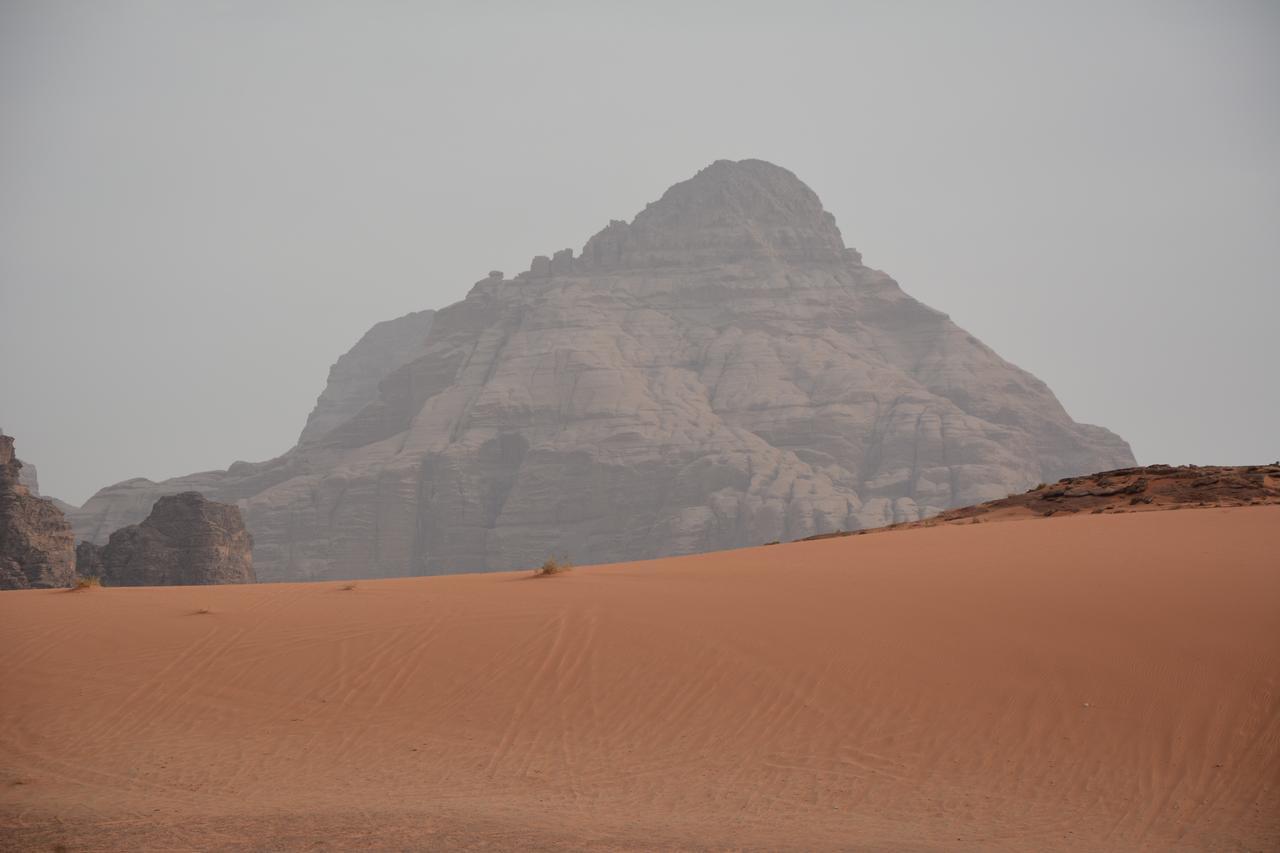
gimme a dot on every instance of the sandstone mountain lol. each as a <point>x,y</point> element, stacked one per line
<point>721,371</point>
<point>186,539</point>
<point>36,544</point>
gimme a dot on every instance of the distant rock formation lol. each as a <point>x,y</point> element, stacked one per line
<point>1144,489</point>
<point>721,371</point>
<point>37,548</point>
<point>186,539</point>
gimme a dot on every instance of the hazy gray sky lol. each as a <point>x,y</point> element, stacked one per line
<point>202,205</point>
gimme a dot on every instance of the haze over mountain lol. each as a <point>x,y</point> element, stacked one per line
<point>187,188</point>
<point>721,371</point>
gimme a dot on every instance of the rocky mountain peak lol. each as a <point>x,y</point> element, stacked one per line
<point>731,211</point>
<point>717,372</point>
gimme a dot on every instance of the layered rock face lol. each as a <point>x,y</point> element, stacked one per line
<point>186,539</point>
<point>353,380</point>
<point>27,474</point>
<point>720,372</point>
<point>36,544</point>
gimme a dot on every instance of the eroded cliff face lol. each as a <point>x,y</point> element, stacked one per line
<point>720,372</point>
<point>186,539</point>
<point>36,544</point>
<point>353,380</point>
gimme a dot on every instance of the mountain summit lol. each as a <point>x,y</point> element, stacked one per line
<point>721,371</point>
<point>728,211</point>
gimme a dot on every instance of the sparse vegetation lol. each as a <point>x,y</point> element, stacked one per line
<point>552,567</point>
<point>347,587</point>
<point>87,582</point>
<point>202,611</point>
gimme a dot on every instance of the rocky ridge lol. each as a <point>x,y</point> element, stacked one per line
<point>37,548</point>
<point>186,539</point>
<point>718,372</point>
<point>1138,489</point>
<point>1151,487</point>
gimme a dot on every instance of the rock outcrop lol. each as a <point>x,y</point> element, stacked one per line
<point>187,539</point>
<point>1146,489</point>
<point>89,560</point>
<point>27,475</point>
<point>721,371</point>
<point>37,548</point>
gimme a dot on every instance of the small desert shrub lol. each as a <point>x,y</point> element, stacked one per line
<point>552,567</point>
<point>202,611</point>
<point>87,583</point>
<point>347,587</point>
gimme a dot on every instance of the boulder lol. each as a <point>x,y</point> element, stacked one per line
<point>187,539</point>
<point>88,560</point>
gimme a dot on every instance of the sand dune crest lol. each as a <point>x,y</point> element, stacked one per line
<point>1096,682</point>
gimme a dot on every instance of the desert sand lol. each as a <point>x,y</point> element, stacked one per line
<point>1094,682</point>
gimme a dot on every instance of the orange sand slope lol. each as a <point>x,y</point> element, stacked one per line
<point>1088,683</point>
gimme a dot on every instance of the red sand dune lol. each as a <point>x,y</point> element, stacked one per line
<point>1098,682</point>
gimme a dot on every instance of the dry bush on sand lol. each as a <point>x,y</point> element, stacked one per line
<point>552,567</point>
<point>87,582</point>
